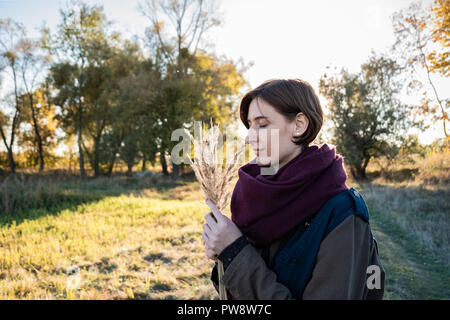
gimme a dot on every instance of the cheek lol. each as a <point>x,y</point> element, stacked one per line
<point>264,139</point>
<point>283,141</point>
<point>280,141</point>
<point>269,141</point>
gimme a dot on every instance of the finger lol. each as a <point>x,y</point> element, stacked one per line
<point>207,244</point>
<point>210,220</point>
<point>207,230</point>
<point>216,213</point>
<point>205,238</point>
<point>210,254</point>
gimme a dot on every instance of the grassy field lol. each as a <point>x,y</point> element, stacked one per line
<point>131,240</point>
<point>128,238</point>
<point>411,226</point>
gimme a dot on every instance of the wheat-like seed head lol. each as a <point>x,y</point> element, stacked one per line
<point>214,177</point>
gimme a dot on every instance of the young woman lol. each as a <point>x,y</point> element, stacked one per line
<point>299,233</point>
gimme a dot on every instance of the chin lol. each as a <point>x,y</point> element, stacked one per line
<point>263,161</point>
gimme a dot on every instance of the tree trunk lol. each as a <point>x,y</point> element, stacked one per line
<point>38,135</point>
<point>358,173</point>
<point>10,154</point>
<point>111,164</point>
<point>80,156</point>
<point>15,122</point>
<point>12,165</point>
<point>80,149</point>
<point>362,174</point>
<point>175,171</point>
<point>144,160</point>
<point>163,161</point>
<point>364,167</point>
<point>96,157</point>
<point>130,169</point>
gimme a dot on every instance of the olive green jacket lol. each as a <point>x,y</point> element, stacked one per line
<point>347,266</point>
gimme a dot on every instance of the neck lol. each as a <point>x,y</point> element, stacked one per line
<point>291,156</point>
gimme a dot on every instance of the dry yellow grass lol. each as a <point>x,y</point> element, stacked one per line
<point>124,246</point>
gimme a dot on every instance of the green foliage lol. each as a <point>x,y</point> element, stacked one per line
<point>117,100</point>
<point>367,115</point>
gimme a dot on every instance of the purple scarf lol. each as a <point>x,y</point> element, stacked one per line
<point>267,207</point>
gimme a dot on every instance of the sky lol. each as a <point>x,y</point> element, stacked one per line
<point>283,39</point>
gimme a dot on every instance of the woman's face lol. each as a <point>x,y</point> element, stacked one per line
<point>265,122</point>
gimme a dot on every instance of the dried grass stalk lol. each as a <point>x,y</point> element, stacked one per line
<point>214,177</point>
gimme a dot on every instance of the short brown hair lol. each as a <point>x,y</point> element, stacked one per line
<point>288,97</point>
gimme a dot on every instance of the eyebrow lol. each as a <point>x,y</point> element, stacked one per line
<point>257,118</point>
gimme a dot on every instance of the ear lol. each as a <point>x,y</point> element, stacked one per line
<point>301,124</point>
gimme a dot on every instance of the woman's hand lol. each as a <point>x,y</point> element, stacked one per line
<point>218,232</point>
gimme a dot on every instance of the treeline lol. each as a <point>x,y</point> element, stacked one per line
<point>118,99</point>
<point>370,120</point>
<point>114,98</point>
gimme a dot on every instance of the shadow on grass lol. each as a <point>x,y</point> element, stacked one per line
<point>32,196</point>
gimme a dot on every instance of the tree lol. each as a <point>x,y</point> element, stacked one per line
<point>440,34</point>
<point>42,119</point>
<point>220,81</point>
<point>129,150</point>
<point>194,85</point>
<point>417,34</point>
<point>130,90</point>
<point>81,45</point>
<point>367,115</point>
<point>32,66</point>
<point>138,96</point>
<point>188,21</point>
<point>12,35</point>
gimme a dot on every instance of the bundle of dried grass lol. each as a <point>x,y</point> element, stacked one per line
<point>214,177</point>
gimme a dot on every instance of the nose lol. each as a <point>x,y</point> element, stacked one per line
<point>251,136</point>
